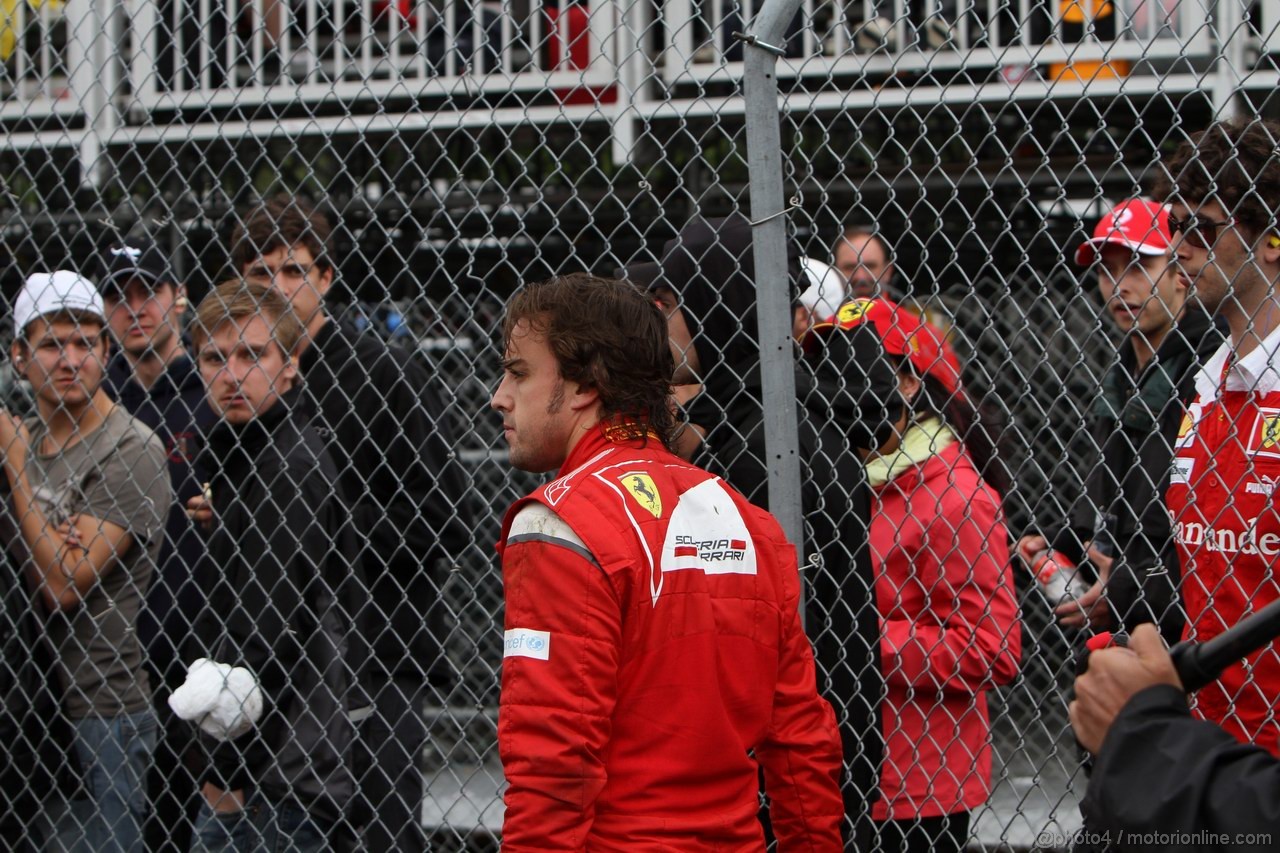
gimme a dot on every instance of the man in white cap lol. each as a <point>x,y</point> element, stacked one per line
<point>89,490</point>
<point>1121,525</point>
<point>827,290</point>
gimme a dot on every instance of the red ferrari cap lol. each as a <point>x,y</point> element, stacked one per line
<point>903,334</point>
<point>1142,226</point>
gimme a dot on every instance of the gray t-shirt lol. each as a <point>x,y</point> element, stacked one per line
<point>117,474</point>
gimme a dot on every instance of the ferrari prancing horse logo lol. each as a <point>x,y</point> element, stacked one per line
<point>644,490</point>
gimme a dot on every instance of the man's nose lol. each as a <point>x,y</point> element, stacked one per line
<point>237,370</point>
<point>500,400</point>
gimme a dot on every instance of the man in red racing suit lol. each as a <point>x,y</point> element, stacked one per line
<point>1226,186</point>
<point>1226,469</point>
<point>653,658</point>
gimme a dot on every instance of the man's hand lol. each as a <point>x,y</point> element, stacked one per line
<point>223,802</point>
<point>200,510</point>
<point>1114,676</point>
<point>1030,545</point>
<point>70,532</point>
<point>1091,608</point>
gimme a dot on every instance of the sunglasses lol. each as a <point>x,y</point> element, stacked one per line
<point>1200,233</point>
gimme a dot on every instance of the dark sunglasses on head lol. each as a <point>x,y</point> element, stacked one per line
<point>1201,233</point>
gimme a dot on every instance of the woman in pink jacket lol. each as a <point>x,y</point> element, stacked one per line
<point>949,614</point>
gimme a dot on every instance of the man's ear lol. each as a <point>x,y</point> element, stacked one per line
<point>180,302</point>
<point>326,281</point>
<point>584,398</point>
<point>1271,248</point>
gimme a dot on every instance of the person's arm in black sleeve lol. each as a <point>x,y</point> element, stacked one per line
<point>281,553</point>
<point>1160,770</point>
<point>414,518</point>
<point>1071,537</point>
<point>420,516</point>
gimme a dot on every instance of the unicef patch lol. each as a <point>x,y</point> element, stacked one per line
<point>523,643</point>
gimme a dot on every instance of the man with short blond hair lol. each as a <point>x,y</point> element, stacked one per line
<point>285,582</point>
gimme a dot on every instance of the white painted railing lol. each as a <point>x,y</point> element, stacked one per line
<point>120,71</point>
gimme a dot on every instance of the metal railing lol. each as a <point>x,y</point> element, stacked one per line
<point>423,64</point>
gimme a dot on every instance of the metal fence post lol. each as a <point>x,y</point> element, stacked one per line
<point>769,245</point>
<point>93,34</point>
<point>1231,26</point>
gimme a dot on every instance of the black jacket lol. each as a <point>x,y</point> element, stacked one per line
<point>384,423</point>
<point>711,267</point>
<point>1161,771</point>
<point>176,408</point>
<point>288,582</point>
<point>1134,424</point>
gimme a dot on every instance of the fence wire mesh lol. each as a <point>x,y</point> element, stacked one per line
<point>460,149</point>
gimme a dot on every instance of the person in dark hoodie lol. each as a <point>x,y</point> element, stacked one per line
<point>1121,524</point>
<point>153,377</point>
<point>706,284</point>
<point>277,633</point>
<point>384,419</point>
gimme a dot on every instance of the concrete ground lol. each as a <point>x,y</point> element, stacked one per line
<point>1032,805</point>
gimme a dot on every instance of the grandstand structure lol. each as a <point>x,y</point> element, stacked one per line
<point>182,105</point>
<point>465,147</point>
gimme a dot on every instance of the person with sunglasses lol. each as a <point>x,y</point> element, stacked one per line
<point>1156,768</point>
<point>1223,187</point>
<point>1120,524</point>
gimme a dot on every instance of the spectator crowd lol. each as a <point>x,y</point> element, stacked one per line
<point>227,529</point>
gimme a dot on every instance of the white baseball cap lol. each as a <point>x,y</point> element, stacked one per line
<point>52,292</point>
<point>827,289</point>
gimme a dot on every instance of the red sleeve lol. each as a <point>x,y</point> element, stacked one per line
<point>801,754</point>
<point>559,686</point>
<point>970,638</point>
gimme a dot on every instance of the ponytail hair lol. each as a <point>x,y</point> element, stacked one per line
<point>980,427</point>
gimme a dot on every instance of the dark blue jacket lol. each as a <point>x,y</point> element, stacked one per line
<point>177,410</point>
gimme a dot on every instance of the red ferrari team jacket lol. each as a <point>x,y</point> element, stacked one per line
<point>653,661</point>
<point>1226,468</point>
<point>951,633</point>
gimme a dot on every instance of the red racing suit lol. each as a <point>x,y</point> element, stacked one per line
<point>1226,469</point>
<point>653,660</point>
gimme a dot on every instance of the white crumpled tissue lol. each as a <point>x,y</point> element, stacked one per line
<point>224,701</point>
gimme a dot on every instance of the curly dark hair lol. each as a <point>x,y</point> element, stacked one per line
<point>1236,163</point>
<point>607,335</point>
<point>281,222</point>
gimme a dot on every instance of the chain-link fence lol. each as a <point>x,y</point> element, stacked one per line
<point>463,148</point>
